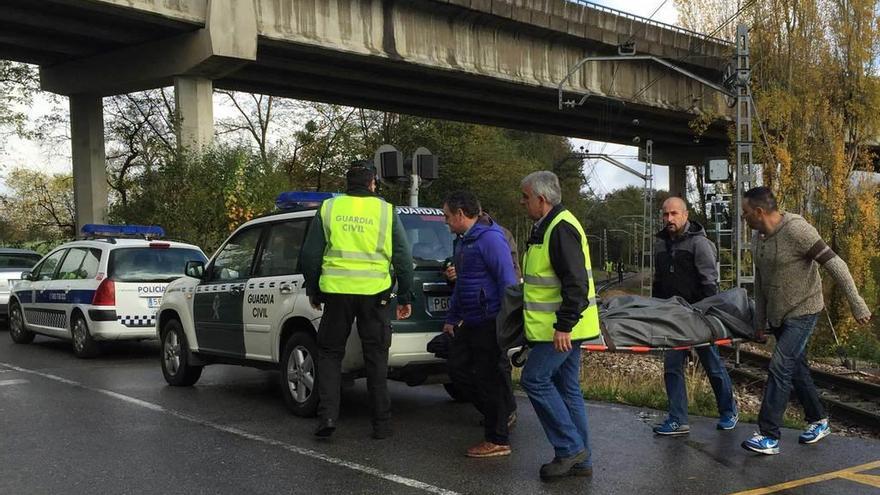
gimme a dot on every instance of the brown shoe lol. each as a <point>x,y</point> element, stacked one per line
<point>488,449</point>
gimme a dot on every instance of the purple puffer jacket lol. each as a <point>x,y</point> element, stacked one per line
<point>484,268</point>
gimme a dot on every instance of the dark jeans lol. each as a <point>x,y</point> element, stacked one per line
<point>676,390</point>
<point>460,366</point>
<point>475,365</point>
<point>788,369</point>
<point>374,328</point>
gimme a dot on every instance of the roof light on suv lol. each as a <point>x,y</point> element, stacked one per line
<point>100,230</point>
<point>301,199</point>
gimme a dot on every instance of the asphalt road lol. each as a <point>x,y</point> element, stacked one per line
<point>111,425</point>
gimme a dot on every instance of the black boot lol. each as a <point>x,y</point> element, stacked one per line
<point>325,429</point>
<point>561,466</point>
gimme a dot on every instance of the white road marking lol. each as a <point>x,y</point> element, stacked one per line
<point>12,382</point>
<point>250,436</point>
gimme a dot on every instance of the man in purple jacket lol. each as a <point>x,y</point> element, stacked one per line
<point>484,269</point>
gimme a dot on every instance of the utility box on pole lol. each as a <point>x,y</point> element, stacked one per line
<point>717,170</point>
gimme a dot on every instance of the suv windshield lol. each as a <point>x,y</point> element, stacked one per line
<point>428,234</point>
<point>19,260</point>
<point>147,264</point>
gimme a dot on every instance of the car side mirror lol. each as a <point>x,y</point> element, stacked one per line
<point>195,269</point>
<point>26,275</point>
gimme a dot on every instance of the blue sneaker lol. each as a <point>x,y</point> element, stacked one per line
<point>670,427</point>
<point>815,432</point>
<point>727,422</point>
<point>761,444</point>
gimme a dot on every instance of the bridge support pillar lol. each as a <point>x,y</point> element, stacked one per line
<point>193,97</point>
<point>89,159</point>
<point>678,181</point>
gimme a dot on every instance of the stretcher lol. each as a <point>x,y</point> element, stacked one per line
<point>638,324</point>
<point>592,346</point>
<point>518,356</point>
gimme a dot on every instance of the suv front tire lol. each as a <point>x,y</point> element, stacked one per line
<point>299,372</point>
<point>175,357</point>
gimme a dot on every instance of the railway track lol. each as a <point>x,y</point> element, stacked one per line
<point>603,286</point>
<point>856,402</point>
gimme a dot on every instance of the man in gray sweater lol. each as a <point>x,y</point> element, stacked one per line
<point>788,300</point>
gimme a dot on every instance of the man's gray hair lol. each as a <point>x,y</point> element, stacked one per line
<point>544,183</point>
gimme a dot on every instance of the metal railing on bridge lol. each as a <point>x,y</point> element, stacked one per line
<point>652,22</point>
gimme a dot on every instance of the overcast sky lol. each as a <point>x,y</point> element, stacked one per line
<point>603,177</point>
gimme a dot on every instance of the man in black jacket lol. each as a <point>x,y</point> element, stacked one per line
<point>352,296</point>
<point>685,266</point>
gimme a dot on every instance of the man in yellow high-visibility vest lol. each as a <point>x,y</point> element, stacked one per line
<point>351,245</point>
<point>559,312</point>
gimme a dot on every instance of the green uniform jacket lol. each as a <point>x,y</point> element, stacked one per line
<point>312,255</point>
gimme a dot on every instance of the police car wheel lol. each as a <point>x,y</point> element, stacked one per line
<point>17,329</point>
<point>175,357</point>
<point>84,346</point>
<point>299,371</point>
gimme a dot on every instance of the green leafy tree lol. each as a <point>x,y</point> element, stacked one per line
<point>38,207</point>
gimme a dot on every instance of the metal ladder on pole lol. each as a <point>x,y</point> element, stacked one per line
<point>721,219</point>
<point>746,176</point>
<point>647,261</point>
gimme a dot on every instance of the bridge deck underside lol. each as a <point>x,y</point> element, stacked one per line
<point>308,73</point>
<point>48,32</point>
<point>31,32</point>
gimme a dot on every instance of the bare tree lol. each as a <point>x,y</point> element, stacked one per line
<point>140,132</point>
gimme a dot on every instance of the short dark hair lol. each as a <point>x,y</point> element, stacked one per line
<point>761,197</point>
<point>465,201</point>
<point>360,174</point>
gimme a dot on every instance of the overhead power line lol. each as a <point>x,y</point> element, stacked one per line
<point>690,50</point>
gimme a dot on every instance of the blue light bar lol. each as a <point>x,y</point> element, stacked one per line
<point>94,229</point>
<point>301,199</point>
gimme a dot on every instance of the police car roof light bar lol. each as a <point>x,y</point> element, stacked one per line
<point>301,199</point>
<point>145,231</point>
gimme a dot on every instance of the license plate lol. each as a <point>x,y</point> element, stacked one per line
<point>154,302</point>
<point>438,303</point>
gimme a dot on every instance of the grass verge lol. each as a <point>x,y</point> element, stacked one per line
<point>637,380</point>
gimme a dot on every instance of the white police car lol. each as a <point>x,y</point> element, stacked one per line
<point>247,306</point>
<point>105,287</point>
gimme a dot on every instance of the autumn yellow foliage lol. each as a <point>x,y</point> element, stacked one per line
<point>814,79</point>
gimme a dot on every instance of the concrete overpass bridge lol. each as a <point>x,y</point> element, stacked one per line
<point>495,62</point>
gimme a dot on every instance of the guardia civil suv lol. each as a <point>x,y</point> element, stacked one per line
<point>107,286</point>
<point>247,306</point>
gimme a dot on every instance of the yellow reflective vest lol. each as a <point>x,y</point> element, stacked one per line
<point>542,290</point>
<point>357,256</point>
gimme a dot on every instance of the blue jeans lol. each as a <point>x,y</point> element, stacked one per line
<point>550,379</point>
<point>788,369</point>
<point>676,392</point>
